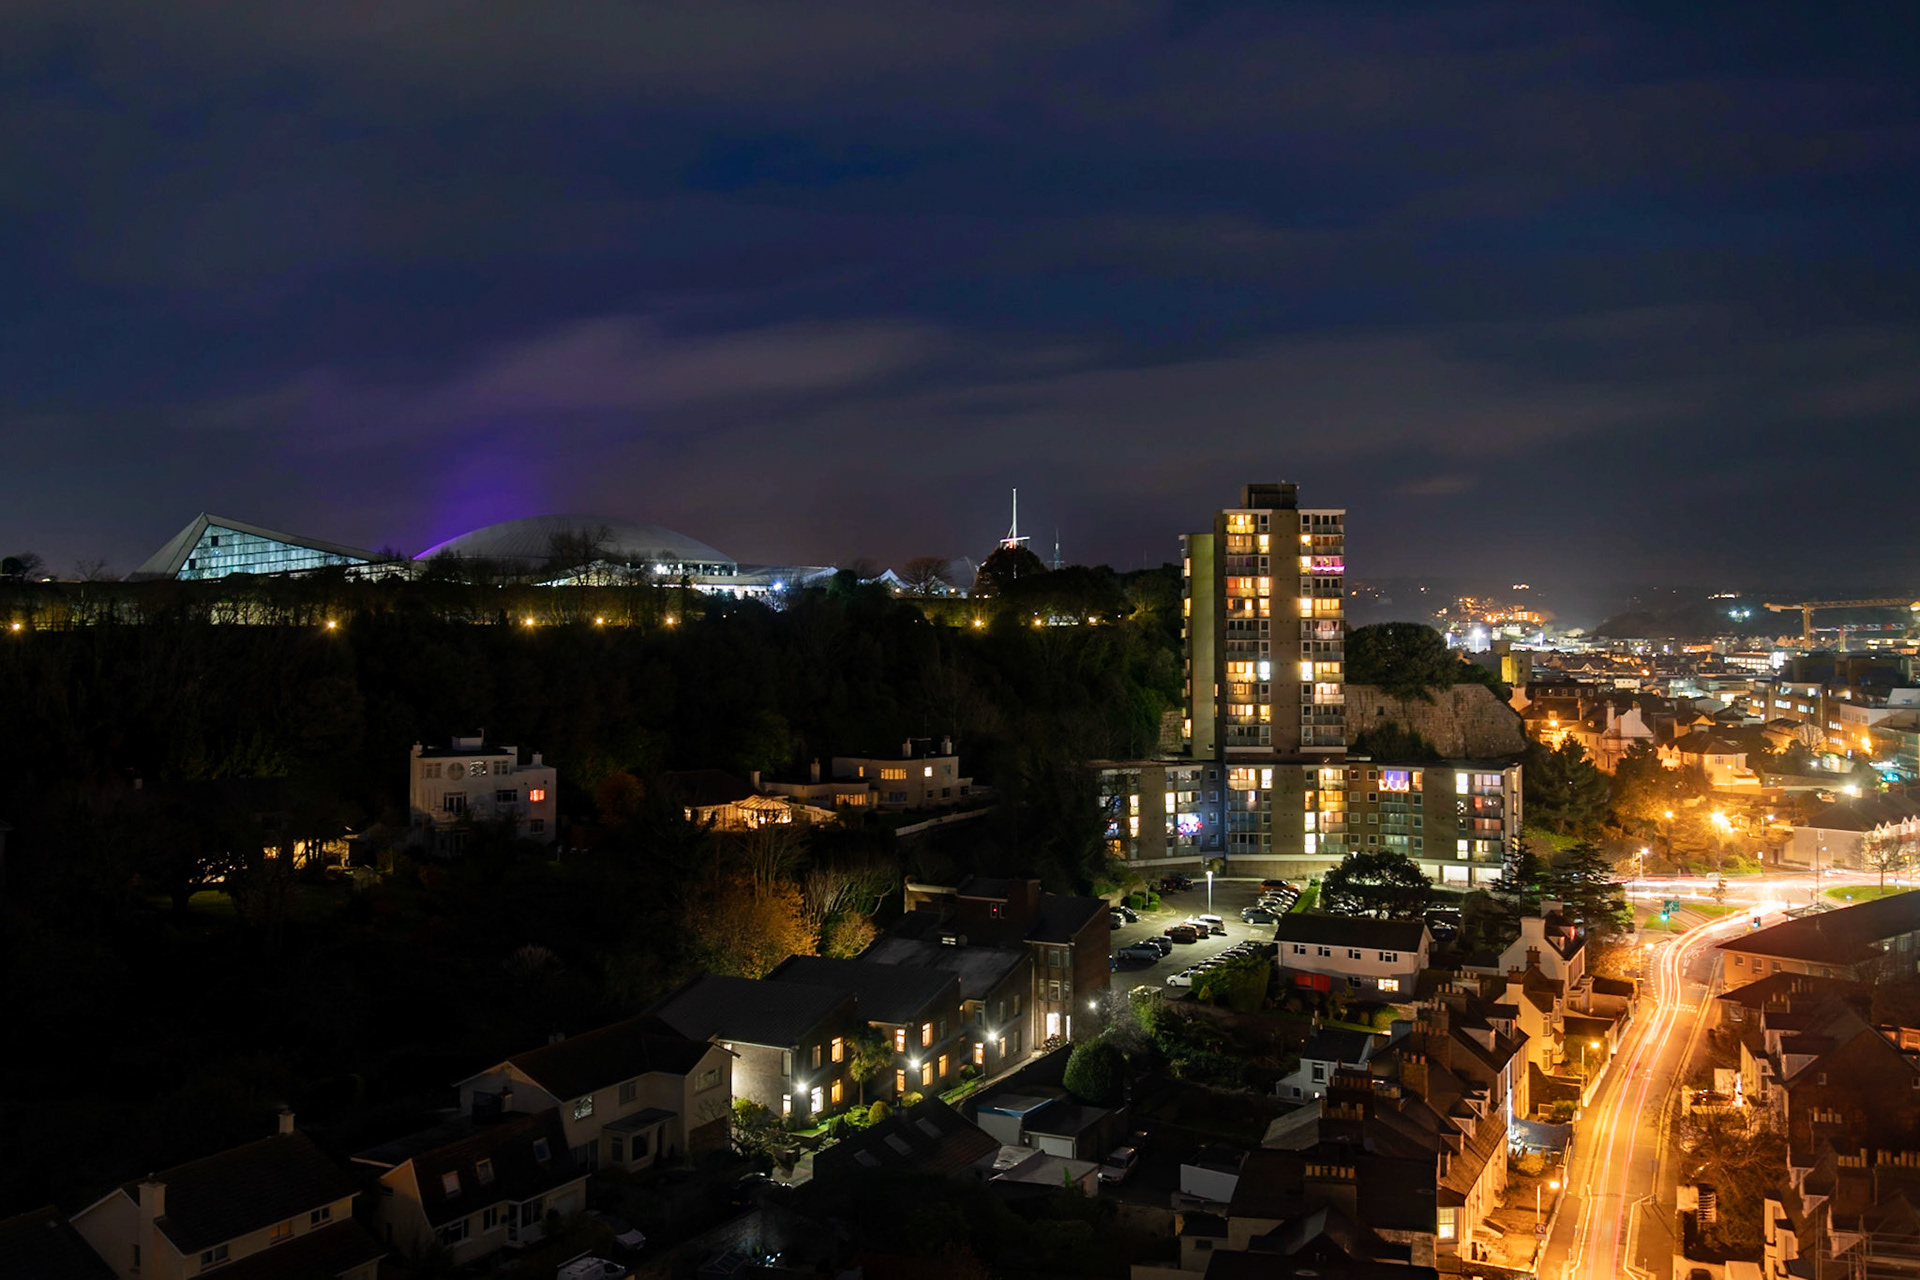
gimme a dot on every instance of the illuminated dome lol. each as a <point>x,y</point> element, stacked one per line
<point>536,542</point>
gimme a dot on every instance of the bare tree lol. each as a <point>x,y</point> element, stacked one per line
<point>1883,850</point>
<point>94,570</point>
<point>927,576</point>
<point>576,551</point>
<point>21,568</point>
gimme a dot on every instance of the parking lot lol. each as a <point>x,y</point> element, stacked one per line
<point>1228,897</point>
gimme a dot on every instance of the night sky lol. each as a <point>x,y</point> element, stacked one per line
<point>1564,292</point>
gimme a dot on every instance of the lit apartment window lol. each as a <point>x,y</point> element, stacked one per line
<point>815,1101</point>
<point>1445,1224</point>
<point>943,1066</point>
<point>280,1231</point>
<point>926,1035</point>
<point>836,1091</point>
<point>899,1039</point>
<point>980,1057</point>
<point>583,1107</point>
<point>536,794</point>
<point>1389,984</point>
<point>899,1081</point>
<point>926,1073</point>
<point>786,1104</point>
<point>839,1049</point>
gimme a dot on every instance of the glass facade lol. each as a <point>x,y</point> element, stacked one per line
<point>222,551</point>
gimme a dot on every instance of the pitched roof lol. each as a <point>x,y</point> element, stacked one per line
<point>980,968</point>
<point>247,1188</point>
<point>1062,916</point>
<point>328,1251</point>
<point>887,992</point>
<point>42,1245</point>
<point>1864,813</point>
<point>166,562</point>
<point>578,1065</point>
<point>928,1137</point>
<point>511,1150</point>
<point>1846,936</point>
<point>1336,1044</point>
<point>1350,931</point>
<point>718,1007</point>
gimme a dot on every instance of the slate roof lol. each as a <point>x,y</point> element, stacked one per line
<point>1350,931</point>
<point>928,1137</point>
<point>247,1188</point>
<point>1864,813</point>
<point>512,1145</point>
<point>578,1065</point>
<point>980,968</point>
<point>1846,936</point>
<point>777,1014</point>
<point>1062,916</point>
<point>42,1245</point>
<point>1335,1044</point>
<point>327,1251</point>
<point>893,993</point>
<point>1787,989</point>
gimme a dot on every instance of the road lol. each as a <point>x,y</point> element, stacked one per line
<point>1617,1147</point>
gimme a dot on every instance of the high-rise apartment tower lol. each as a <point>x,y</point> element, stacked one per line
<point>1265,602</point>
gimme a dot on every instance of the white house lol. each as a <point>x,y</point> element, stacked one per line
<point>1377,957</point>
<point>452,789</point>
<point>1330,1049</point>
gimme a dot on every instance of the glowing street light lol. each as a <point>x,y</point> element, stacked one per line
<point>1209,893</point>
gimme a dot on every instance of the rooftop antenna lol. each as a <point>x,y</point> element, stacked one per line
<point>1056,549</point>
<point>1013,538</point>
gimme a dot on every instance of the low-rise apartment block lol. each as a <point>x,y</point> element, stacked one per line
<point>1352,954</point>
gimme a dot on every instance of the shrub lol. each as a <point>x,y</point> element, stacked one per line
<point>1095,1073</point>
<point>1530,1163</point>
<point>1136,900</point>
<point>878,1111</point>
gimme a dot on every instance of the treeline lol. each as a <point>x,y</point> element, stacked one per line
<point>165,1023</point>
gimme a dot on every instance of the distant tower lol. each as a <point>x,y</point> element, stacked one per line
<point>1014,538</point>
<point>1056,548</point>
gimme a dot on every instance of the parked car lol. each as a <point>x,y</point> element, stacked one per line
<point>1115,920</point>
<point>1183,933</point>
<point>1275,885</point>
<point>1182,979</point>
<point>1128,913</point>
<point>1174,884</point>
<point>1119,1165</point>
<point>1159,942</point>
<point>1145,952</point>
<point>625,1234</point>
<point>1214,924</point>
<point>1258,915</point>
<point>591,1268</point>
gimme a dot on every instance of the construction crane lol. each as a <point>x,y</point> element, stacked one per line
<point>1806,608</point>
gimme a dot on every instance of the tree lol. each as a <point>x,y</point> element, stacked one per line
<point>1006,566</point>
<point>746,929</point>
<point>1382,883</point>
<point>1096,1073</point>
<point>846,936</point>
<point>1584,880</point>
<point>1391,740</point>
<point>1564,789</point>
<point>1883,850</point>
<point>1404,660</point>
<point>868,1054</point>
<point>927,576</point>
<point>21,568</point>
<point>1643,790</point>
<point>1523,876</point>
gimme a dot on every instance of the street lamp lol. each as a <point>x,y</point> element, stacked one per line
<point>1209,892</point>
<point>1554,1186</point>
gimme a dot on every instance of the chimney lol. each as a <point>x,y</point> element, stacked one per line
<point>754,779</point>
<point>1413,1074</point>
<point>906,749</point>
<point>537,761</point>
<point>286,1119</point>
<point>813,770</point>
<point>1533,957</point>
<point>153,1200</point>
<point>946,746</point>
<point>1335,1184</point>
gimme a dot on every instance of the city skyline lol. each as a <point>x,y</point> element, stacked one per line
<point>1504,279</point>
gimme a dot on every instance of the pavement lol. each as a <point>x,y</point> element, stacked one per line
<point>1228,897</point>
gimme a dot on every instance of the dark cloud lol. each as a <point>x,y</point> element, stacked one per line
<point>1580,292</point>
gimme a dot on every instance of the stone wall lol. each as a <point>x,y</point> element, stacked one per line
<point>1466,722</point>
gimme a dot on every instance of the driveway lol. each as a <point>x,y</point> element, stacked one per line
<point>1228,897</point>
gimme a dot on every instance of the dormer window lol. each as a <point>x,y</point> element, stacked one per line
<point>450,1183</point>
<point>483,1170</point>
<point>541,1151</point>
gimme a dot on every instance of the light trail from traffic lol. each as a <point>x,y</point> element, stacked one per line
<point>1613,1130</point>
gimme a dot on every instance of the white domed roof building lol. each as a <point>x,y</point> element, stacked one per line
<point>570,542</point>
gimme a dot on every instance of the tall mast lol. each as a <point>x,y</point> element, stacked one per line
<point>1013,538</point>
